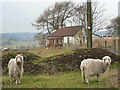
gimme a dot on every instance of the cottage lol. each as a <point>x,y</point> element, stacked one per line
<point>67,35</point>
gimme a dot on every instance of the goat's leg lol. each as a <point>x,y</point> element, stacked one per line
<point>83,73</point>
<point>84,77</point>
<point>16,79</point>
<point>87,79</point>
<point>19,80</point>
<point>98,77</point>
<point>10,76</point>
<point>16,82</point>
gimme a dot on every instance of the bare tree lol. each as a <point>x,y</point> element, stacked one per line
<point>114,26</point>
<point>41,38</point>
<point>98,19</point>
<point>69,13</point>
<point>80,16</point>
<point>55,17</point>
<point>63,13</point>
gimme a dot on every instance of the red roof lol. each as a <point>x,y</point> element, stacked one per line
<point>66,31</point>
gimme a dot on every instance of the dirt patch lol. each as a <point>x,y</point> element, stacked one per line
<point>54,64</point>
<point>72,61</point>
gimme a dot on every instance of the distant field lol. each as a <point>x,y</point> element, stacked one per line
<point>14,40</point>
<point>21,45</point>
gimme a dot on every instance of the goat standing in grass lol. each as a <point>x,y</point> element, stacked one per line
<point>94,67</point>
<point>15,67</point>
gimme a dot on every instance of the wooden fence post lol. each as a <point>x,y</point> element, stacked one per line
<point>17,47</point>
<point>28,47</point>
<point>105,44</point>
<point>114,45</point>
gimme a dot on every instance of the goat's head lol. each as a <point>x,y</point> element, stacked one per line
<point>107,60</point>
<point>19,58</point>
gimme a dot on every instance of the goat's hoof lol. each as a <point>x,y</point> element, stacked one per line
<point>19,82</point>
<point>16,83</point>
<point>98,80</point>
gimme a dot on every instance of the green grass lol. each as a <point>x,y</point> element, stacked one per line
<point>115,65</point>
<point>60,80</point>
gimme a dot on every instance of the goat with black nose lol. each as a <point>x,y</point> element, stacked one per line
<point>94,67</point>
<point>15,67</point>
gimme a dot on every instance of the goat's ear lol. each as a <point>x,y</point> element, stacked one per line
<point>24,56</point>
<point>104,59</point>
<point>15,58</point>
<point>110,60</point>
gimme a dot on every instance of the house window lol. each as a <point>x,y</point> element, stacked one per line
<point>49,41</point>
<point>52,40</point>
<point>60,41</point>
<point>68,40</point>
<point>57,41</point>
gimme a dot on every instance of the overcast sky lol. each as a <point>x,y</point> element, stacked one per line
<point>17,15</point>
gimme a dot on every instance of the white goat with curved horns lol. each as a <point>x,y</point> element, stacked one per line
<point>94,67</point>
<point>15,67</point>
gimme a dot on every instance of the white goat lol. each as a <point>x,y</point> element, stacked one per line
<point>15,67</point>
<point>94,67</point>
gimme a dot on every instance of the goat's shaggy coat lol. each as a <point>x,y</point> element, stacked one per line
<point>94,67</point>
<point>15,67</point>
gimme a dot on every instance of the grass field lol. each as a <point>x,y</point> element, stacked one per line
<point>48,52</point>
<point>64,80</point>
